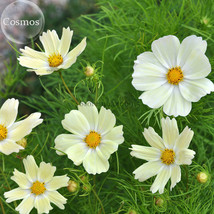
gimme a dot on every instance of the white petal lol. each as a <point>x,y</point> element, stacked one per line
<point>106,121</point>
<point>71,57</point>
<point>29,52</point>
<point>65,141</point>
<point>153,138</point>
<point>57,182</point>
<point>157,97</point>
<point>90,112</point>
<point>161,180</point>
<point>8,146</point>
<point>94,163</point>
<point>26,205</point>
<point>146,153</point>
<point>77,152</point>
<point>185,156</point>
<point>166,50</point>
<point>176,176</point>
<point>24,127</point>
<point>176,105</point>
<point>65,41</point>
<point>31,168</point>
<point>30,62</point>
<point>57,199</point>
<point>21,179</point>
<point>75,122</point>
<point>42,71</point>
<point>147,170</point>
<point>184,139</point>
<point>170,132</point>
<point>197,65</point>
<point>45,172</point>
<point>8,112</point>
<point>42,204</point>
<point>193,90</point>
<point>16,194</point>
<point>188,44</point>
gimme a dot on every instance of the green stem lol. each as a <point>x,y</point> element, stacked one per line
<point>101,204</point>
<point>2,207</point>
<point>60,74</point>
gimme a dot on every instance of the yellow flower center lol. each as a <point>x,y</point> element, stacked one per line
<point>93,139</point>
<point>175,75</point>
<point>38,188</point>
<point>168,156</point>
<point>55,60</point>
<point>3,132</point>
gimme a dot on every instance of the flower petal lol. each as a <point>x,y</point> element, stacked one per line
<point>65,41</point>
<point>24,127</point>
<point>147,170</point>
<point>16,194</point>
<point>90,112</point>
<point>65,141</point>
<point>26,205</point>
<point>21,179</point>
<point>106,121</point>
<point>57,199</point>
<point>95,163</point>
<point>115,135</point>
<point>161,180</point>
<point>57,182</point>
<point>166,50</point>
<point>29,52</point>
<point>8,112</point>
<point>30,62</point>
<point>8,146</point>
<point>157,97</point>
<point>42,71</point>
<point>193,90</point>
<point>188,44</point>
<point>185,156</point>
<point>184,139</point>
<point>31,168</point>
<point>197,65</point>
<point>42,204</point>
<point>71,57</point>
<point>176,105</point>
<point>75,122</point>
<point>45,172</point>
<point>77,152</point>
<point>170,132</point>
<point>175,176</point>
<point>146,153</point>
<point>153,138</point>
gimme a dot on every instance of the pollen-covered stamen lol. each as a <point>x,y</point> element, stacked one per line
<point>38,188</point>
<point>93,139</point>
<point>168,156</point>
<point>55,60</point>
<point>175,75</point>
<point>3,132</point>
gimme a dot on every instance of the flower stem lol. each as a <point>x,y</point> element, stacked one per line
<point>101,204</point>
<point>68,90</point>
<point>2,207</point>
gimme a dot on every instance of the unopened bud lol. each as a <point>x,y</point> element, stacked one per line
<point>89,71</point>
<point>159,202</point>
<point>72,186</point>
<point>202,177</point>
<point>132,212</point>
<point>22,142</point>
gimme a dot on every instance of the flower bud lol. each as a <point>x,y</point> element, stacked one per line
<point>89,71</point>
<point>72,186</point>
<point>159,202</point>
<point>202,177</point>
<point>22,142</point>
<point>132,212</point>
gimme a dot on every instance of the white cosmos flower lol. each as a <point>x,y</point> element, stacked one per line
<point>11,131</point>
<point>55,55</point>
<point>94,137</point>
<point>173,74</point>
<point>37,187</point>
<point>165,155</point>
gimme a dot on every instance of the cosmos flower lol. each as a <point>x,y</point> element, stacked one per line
<point>165,155</point>
<point>37,187</point>
<point>94,137</point>
<point>56,53</point>
<point>11,131</point>
<point>173,75</point>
